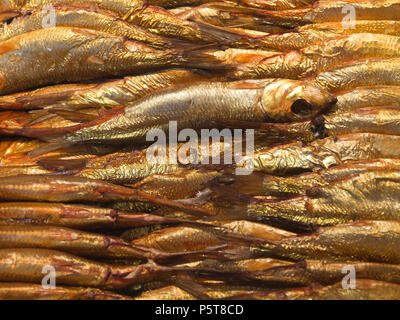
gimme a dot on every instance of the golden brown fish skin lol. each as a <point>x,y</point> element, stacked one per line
<point>299,184</point>
<point>160,21</point>
<point>28,170</point>
<point>201,106</point>
<point>367,73</point>
<point>89,17</point>
<point>121,7</point>
<point>389,27</point>
<point>277,5</point>
<point>26,265</point>
<point>185,239</point>
<point>248,265</point>
<point>13,121</point>
<point>370,195</point>
<point>176,3</point>
<point>214,291</point>
<point>380,120</point>
<point>363,97</point>
<point>73,241</point>
<point>325,11</point>
<point>227,15</point>
<point>372,241</point>
<point>107,94</point>
<point>318,34</point>
<point>76,216</point>
<point>319,58</point>
<point>69,188</point>
<point>328,272</point>
<point>131,168</point>
<point>138,232</point>
<point>365,290</point>
<point>296,157</point>
<point>179,185</point>
<point>28,291</point>
<point>100,55</point>
<point>14,152</point>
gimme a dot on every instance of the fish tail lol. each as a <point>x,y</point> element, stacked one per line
<point>74,115</point>
<point>222,36</point>
<point>186,282</point>
<point>54,146</point>
<point>46,134</point>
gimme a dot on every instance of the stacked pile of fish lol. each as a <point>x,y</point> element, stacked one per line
<point>84,212</point>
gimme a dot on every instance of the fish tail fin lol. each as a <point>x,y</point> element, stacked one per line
<point>53,146</point>
<point>187,283</point>
<point>46,134</point>
<point>221,35</point>
<point>74,115</point>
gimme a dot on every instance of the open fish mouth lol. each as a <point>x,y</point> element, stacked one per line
<point>302,108</point>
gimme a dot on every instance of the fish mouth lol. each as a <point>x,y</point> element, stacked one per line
<point>302,108</point>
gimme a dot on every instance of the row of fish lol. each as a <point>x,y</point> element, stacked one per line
<point>82,85</point>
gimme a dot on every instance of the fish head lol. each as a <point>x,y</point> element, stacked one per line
<point>286,100</point>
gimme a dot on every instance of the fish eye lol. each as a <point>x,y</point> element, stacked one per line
<point>301,108</point>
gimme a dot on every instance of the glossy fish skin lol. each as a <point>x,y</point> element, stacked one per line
<point>131,168</point>
<point>367,73</point>
<point>364,97</point>
<point>26,291</point>
<point>184,239</point>
<point>278,5</point>
<point>121,7</point>
<point>202,106</point>
<point>106,94</point>
<point>248,265</point>
<point>73,241</point>
<point>26,265</point>
<point>14,152</point>
<point>328,10</point>
<point>365,290</point>
<point>373,241</point>
<point>82,16</point>
<point>12,121</point>
<point>176,3</point>
<point>160,21</point>
<point>370,195</point>
<point>296,157</point>
<point>68,188</point>
<point>227,15</point>
<point>76,216</point>
<point>299,184</point>
<point>102,55</point>
<point>318,34</point>
<point>182,185</point>
<point>175,293</point>
<point>333,53</point>
<point>329,273</point>
<point>389,27</point>
<point>380,120</point>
